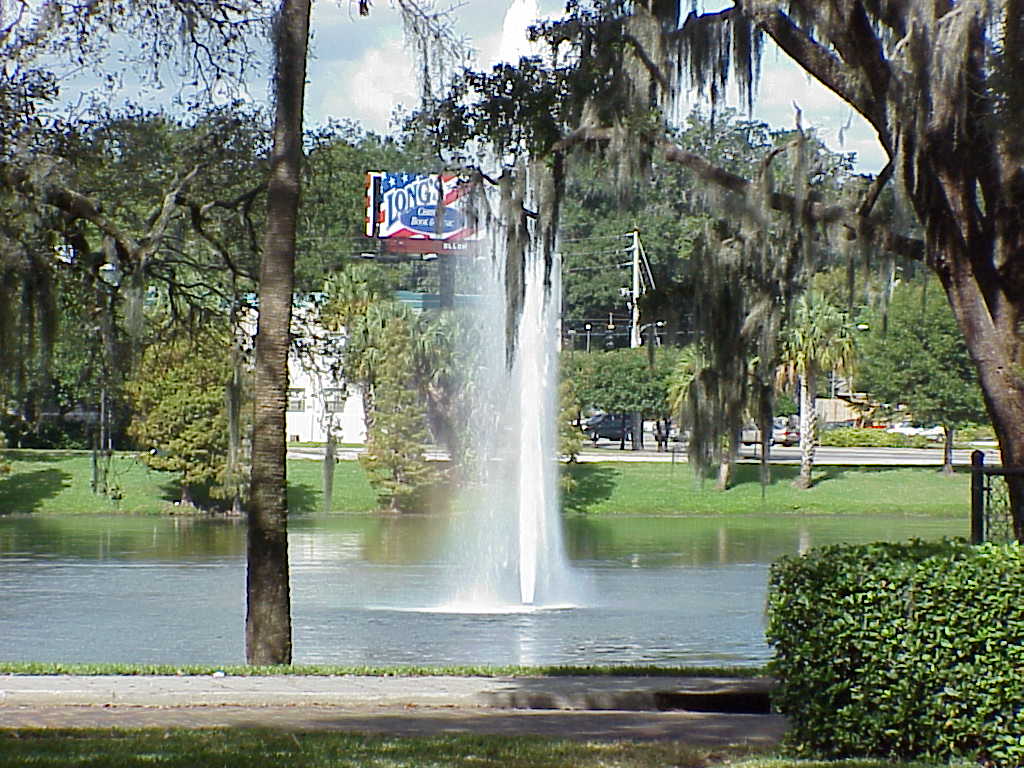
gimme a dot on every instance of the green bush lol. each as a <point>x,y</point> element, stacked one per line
<point>974,432</point>
<point>901,650</point>
<point>865,437</point>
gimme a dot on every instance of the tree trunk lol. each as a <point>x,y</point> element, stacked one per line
<point>727,463</point>
<point>988,316</point>
<point>328,470</point>
<point>268,628</point>
<point>808,429</point>
<point>987,304</point>
<point>947,449</point>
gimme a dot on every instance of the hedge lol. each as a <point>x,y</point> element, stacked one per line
<point>862,437</point>
<point>901,650</point>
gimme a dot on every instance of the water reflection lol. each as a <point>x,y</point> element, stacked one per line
<point>371,590</point>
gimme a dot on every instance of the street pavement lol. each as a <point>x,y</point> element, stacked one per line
<point>605,450</point>
<point>589,708</point>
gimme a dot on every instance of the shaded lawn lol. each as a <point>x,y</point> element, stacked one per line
<point>243,748</point>
<point>251,748</point>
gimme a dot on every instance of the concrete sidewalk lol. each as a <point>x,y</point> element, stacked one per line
<point>570,707</point>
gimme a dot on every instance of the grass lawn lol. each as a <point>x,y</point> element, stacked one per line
<point>59,482</point>
<point>242,748</point>
<point>610,488</point>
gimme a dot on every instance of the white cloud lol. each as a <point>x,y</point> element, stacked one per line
<point>366,89</point>
<point>362,70</point>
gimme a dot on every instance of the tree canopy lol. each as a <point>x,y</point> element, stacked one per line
<point>915,357</point>
<point>939,82</point>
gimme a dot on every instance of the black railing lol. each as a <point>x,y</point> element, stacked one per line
<point>991,508</point>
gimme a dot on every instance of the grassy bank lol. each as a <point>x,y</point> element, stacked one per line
<point>267,748</point>
<point>612,488</point>
<point>59,482</point>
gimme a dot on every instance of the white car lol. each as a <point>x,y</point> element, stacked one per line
<point>908,429</point>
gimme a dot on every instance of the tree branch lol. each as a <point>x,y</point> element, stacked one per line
<point>831,71</point>
<point>647,61</point>
<point>855,224</point>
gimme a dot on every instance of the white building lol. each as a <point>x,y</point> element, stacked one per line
<point>317,401</point>
<point>319,398</point>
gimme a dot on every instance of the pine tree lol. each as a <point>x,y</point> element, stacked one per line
<point>394,460</point>
<point>177,396</point>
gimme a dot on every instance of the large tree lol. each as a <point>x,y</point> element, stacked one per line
<point>940,82</point>
<point>268,617</point>
<point>180,413</point>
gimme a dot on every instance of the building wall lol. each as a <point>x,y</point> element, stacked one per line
<point>316,400</point>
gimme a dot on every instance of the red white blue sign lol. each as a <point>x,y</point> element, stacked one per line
<point>419,206</point>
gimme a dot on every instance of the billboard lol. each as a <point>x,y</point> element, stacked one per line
<point>424,212</point>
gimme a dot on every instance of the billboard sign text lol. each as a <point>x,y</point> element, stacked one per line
<point>418,206</point>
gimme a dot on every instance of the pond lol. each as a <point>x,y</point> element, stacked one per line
<point>371,590</point>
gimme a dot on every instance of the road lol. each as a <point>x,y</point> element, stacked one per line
<point>591,708</point>
<point>605,450</point>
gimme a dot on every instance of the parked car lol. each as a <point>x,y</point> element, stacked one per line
<point>908,429</point>
<point>751,435</point>
<point>611,426</point>
<point>785,431</point>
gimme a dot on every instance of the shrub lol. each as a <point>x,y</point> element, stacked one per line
<point>901,650</point>
<point>848,437</point>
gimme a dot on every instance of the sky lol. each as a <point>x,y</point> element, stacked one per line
<point>361,69</point>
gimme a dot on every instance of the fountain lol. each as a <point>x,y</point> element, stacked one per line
<point>507,534</point>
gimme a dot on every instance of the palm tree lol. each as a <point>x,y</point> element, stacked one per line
<point>818,339</point>
<point>268,626</point>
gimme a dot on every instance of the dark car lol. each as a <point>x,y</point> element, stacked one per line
<point>611,426</point>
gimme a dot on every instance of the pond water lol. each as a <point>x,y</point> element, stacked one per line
<point>373,590</point>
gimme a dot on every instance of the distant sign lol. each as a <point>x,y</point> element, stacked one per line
<point>418,207</point>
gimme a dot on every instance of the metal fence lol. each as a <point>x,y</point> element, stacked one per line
<point>991,510</point>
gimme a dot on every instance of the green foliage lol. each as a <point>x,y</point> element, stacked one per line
<point>901,650</point>
<point>818,339</point>
<point>624,381</point>
<point>850,437</point>
<point>918,358</point>
<point>785,405</point>
<point>180,411</point>
<point>570,437</point>
<point>394,459</point>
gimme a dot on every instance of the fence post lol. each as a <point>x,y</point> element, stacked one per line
<point>977,497</point>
